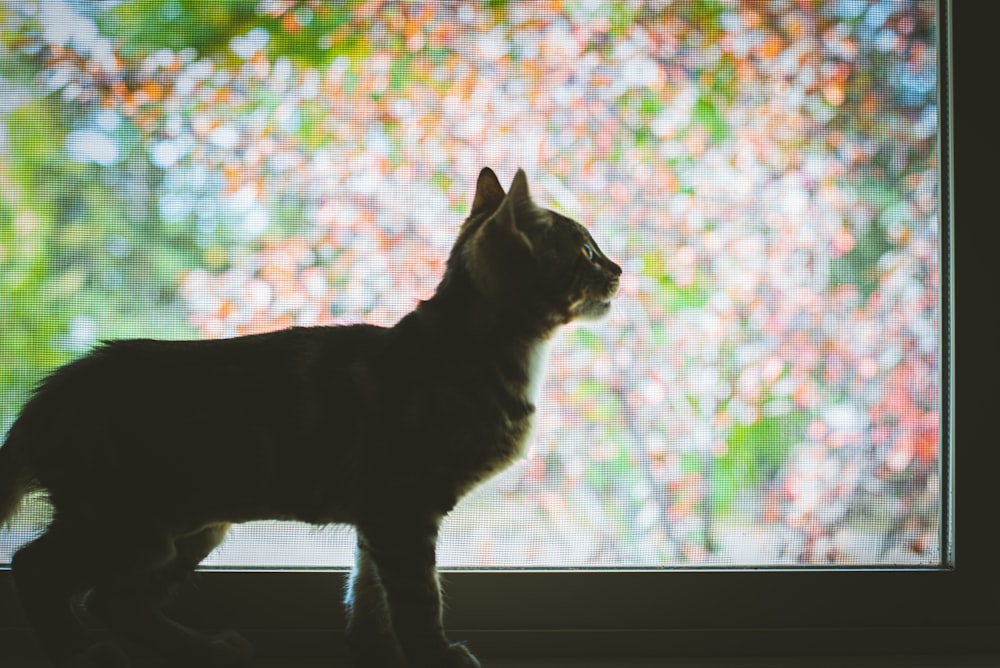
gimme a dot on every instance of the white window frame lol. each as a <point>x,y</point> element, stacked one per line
<point>715,612</point>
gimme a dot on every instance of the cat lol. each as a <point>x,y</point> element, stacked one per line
<point>149,450</point>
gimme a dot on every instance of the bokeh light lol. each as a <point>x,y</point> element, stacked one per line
<point>766,389</point>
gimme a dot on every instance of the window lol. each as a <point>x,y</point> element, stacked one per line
<point>629,599</point>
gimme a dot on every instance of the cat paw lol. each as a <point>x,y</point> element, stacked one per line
<point>456,655</point>
<point>459,656</point>
<point>98,655</point>
<point>229,649</point>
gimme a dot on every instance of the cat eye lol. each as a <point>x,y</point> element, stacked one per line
<point>588,252</point>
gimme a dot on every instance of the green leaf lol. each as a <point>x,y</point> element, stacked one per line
<point>859,266</point>
<point>707,115</point>
<point>673,297</point>
<point>754,453</point>
<point>586,339</point>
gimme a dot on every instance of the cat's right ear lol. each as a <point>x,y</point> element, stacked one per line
<point>489,193</point>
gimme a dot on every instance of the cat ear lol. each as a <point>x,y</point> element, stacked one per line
<point>489,192</point>
<point>518,211</point>
<point>519,187</point>
<point>526,212</point>
<point>498,247</point>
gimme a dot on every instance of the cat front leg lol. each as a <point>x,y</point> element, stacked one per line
<point>369,627</point>
<point>403,551</point>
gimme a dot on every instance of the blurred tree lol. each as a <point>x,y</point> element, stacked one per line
<point>181,167</point>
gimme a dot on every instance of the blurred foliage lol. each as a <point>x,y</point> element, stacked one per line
<point>754,454</point>
<point>100,248</point>
<point>313,32</point>
<point>85,255</point>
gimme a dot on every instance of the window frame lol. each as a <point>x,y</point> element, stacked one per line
<point>716,611</point>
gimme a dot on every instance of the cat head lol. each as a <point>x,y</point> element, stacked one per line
<point>533,260</point>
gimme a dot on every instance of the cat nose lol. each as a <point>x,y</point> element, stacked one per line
<point>614,285</point>
<point>616,270</point>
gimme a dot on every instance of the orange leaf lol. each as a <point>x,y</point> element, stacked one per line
<point>289,23</point>
<point>771,48</point>
<point>153,91</point>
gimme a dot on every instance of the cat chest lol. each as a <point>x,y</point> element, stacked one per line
<point>516,398</point>
<point>514,434</point>
<point>514,413</point>
<point>494,428</point>
<point>494,451</point>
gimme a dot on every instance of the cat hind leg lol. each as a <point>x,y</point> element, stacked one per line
<point>131,607</point>
<point>49,574</point>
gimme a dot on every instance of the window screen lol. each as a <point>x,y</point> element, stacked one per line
<point>767,389</point>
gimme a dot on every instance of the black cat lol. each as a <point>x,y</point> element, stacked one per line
<point>149,450</point>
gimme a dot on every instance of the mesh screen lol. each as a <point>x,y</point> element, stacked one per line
<point>766,389</point>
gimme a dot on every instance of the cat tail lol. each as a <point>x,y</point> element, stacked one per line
<point>16,477</point>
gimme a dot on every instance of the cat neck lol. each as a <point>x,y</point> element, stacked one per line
<point>506,341</point>
<point>459,311</point>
